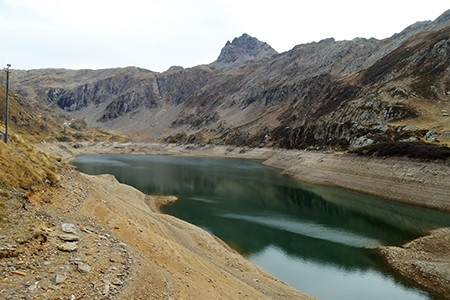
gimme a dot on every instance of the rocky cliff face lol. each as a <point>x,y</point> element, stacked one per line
<point>242,49</point>
<point>336,94</point>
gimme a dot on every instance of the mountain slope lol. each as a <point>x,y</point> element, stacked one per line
<point>34,121</point>
<point>341,94</point>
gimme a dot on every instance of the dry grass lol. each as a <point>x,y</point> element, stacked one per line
<point>23,167</point>
<point>36,125</point>
<point>430,117</point>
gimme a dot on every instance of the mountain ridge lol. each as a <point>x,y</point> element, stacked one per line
<point>327,94</point>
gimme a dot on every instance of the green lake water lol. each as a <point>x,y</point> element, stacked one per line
<point>319,240</point>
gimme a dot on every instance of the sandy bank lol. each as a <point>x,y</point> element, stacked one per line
<point>166,258</point>
<point>177,260</point>
<point>419,183</point>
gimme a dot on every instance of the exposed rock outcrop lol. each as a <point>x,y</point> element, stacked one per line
<point>241,50</point>
<point>329,93</point>
<point>444,18</point>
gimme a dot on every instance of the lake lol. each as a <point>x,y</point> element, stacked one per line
<point>319,240</point>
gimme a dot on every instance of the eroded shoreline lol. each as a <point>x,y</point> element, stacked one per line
<point>418,183</point>
<point>413,182</point>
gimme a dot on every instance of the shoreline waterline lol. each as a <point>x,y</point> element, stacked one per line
<point>333,169</point>
<point>323,168</point>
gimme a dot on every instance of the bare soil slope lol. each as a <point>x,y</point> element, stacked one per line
<point>425,261</point>
<point>91,237</point>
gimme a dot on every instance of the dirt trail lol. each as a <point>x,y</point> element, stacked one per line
<point>188,262</point>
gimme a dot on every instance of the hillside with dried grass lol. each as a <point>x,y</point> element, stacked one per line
<point>24,167</point>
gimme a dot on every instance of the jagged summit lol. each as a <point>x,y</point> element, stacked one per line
<point>242,49</point>
<point>445,17</point>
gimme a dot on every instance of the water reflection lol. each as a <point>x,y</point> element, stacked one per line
<point>281,224</point>
<point>308,229</point>
<point>332,282</point>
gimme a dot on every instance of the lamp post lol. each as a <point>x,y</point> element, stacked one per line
<point>7,102</point>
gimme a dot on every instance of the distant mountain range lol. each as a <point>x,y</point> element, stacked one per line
<point>328,94</point>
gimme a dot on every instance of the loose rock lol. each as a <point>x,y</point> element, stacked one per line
<point>19,272</point>
<point>58,279</point>
<point>68,247</point>
<point>69,228</point>
<point>84,268</point>
<point>69,237</point>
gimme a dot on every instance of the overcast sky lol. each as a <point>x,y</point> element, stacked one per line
<point>158,34</point>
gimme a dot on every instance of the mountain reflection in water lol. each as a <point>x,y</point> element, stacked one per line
<point>299,233</point>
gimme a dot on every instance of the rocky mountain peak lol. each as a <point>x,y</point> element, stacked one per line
<point>242,49</point>
<point>245,41</point>
<point>445,17</point>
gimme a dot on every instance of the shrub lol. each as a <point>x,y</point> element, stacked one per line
<point>409,149</point>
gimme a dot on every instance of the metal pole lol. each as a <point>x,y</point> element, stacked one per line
<point>7,103</point>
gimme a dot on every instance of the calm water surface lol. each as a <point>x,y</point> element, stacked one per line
<point>319,240</point>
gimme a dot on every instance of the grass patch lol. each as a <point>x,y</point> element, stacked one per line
<point>22,166</point>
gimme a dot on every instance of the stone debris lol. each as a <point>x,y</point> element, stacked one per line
<point>361,141</point>
<point>106,288</point>
<point>68,247</point>
<point>424,260</point>
<point>19,272</point>
<point>432,135</point>
<point>117,281</point>
<point>84,268</point>
<point>53,258</point>
<point>69,228</point>
<point>58,279</point>
<point>115,257</point>
<point>438,269</point>
<point>69,237</point>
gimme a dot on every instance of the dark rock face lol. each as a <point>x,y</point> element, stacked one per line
<point>328,94</point>
<point>179,86</point>
<point>128,102</point>
<point>124,92</point>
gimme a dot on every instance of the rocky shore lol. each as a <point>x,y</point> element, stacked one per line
<point>151,241</point>
<point>90,237</point>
